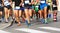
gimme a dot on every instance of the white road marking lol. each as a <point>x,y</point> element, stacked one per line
<point>51,28</point>
<point>31,30</point>
<point>1,31</point>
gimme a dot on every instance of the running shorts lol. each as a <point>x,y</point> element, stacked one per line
<point>22,8</point>
<point>28,7</point>
<point>17,8</point>
<point>42,6</point>
<point>54,7</point>
<point>8,6</point>
<point>1,8</point>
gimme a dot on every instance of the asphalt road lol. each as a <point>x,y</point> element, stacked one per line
<point>36,27</point>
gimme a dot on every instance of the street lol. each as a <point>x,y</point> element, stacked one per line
<point>36,27</point>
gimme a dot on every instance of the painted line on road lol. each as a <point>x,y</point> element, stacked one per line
<point>1,31</point>
<point>31,30</point>
<point>51,28</point>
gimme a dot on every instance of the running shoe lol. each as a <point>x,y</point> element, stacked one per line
<point>28,24</point>
<point>42,20</point>
<point>45,21</point>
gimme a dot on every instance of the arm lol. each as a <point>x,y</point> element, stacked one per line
<point>57,2</point>
<point>10,2</point>
<point>2,2</point>
<point>47,1</point>
<point>32,2</point>
<point>22,3</point>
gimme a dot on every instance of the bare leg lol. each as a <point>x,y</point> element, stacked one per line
<point>45,14</point>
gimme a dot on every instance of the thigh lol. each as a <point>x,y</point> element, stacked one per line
<point>15,12</point>
<point>5,10</point>
<point>26,10</point>
<point>1,12</point>
<point>20,13</point>
<point>45,9</point>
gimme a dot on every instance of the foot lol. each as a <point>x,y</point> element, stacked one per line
<point>23,19</point>
<point>19,24</point>
<point>6,21</point>
<point>31,19</point>
<point>42,20</point>
<point>16,22</point>
<point>46,21</point>
<point>28,24</point>
<point>0,21</point>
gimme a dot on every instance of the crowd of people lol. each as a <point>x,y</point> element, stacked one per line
<point>27,9</point>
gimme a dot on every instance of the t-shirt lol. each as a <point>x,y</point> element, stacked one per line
<point>6,2</point>
<point>17,2</point>
<point>54,3</point>
<point>49,1</point>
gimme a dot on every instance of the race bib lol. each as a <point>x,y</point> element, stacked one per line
<point>42,2</point>
<point>17,7</point>
<point>26,2</point>
<point>37,6</point>
<point>54,6</point>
